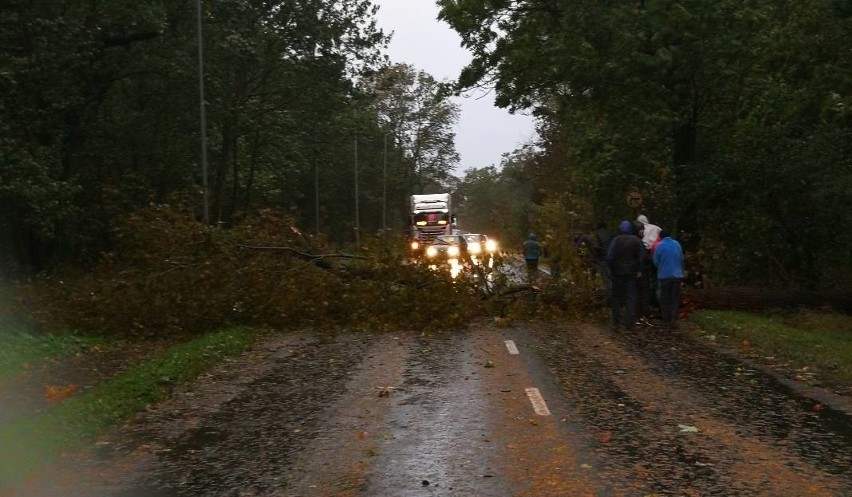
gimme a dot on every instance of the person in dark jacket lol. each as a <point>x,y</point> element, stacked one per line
<point>624,256</point>
<point>668,257</point>
<point>532,253</point>
<point>602,238</point>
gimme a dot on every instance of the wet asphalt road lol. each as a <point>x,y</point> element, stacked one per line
<point>648,413</point>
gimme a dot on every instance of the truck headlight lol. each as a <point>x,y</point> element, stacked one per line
<point>453,251</point>
<point>474,248</point>
<point>431,251</point>
<point>491,245</point>
<point>415,245</point>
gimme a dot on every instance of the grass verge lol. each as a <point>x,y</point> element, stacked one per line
<point>28,443</point>
<point>819,342</point>
<point>19,348</point>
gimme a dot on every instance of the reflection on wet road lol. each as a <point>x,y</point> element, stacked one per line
<point>437,439</point>
<point>643,413</point>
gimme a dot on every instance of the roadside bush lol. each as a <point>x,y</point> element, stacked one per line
<point>171,274</point>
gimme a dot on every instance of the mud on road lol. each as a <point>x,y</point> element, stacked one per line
<point>630,414</point>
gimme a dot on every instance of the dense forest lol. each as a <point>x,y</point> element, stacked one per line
<point>100,116</point>
<point>732,119</point>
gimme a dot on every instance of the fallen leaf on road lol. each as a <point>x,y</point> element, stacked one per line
<point>687,429</point>
<point>56,394</point>
<point>385,391</point>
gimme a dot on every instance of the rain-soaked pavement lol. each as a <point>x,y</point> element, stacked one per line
<point>645,413</point>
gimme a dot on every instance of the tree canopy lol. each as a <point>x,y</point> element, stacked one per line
<point>99,117</point>
<point>732,119</point>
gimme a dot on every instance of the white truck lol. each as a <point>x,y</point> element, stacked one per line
<point>431,215</point>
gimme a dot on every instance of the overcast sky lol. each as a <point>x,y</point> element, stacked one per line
<point>484,132</point>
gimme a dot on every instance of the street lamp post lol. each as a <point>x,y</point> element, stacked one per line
<point>202,117</point>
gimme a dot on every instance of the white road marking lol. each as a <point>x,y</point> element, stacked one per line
<point>513,349</point>
<point>538,403</point>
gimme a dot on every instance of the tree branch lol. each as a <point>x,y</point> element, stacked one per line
<point>316,259</point>
<point>127,39</point>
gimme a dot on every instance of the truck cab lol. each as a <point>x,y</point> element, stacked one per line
<point>431,216</point>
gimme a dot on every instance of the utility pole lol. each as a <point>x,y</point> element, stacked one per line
<point>385,187</point>
<point>205,194</point>
<point>316,193</point>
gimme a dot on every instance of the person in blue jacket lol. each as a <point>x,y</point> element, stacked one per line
<point>668,257</point>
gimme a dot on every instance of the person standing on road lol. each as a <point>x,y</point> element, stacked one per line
<point>532,253</point>
<point>668,257</point>
<point>647,282</point>
<point>602,238</point>
<point>623,256</point>
<point>650,232</point>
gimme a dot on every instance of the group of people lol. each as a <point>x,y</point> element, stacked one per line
<point>642,258</point>
<point>640,262</point>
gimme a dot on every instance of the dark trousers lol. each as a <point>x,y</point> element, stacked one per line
<point>532,270</point>
<point>623,293</point>
<point>643,290</point>
<point>669,298</point>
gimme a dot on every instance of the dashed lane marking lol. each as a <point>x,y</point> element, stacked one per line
<point>538,403</point>
<point>513,349</point>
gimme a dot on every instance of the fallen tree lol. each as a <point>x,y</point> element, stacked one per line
<point>171,274</point>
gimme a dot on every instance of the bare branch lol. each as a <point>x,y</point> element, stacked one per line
<point>318,260</point>
<point>302,254</point>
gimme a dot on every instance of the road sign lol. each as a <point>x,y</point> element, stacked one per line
<point>634,199</point>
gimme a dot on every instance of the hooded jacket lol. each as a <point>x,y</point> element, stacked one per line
<point>532,249</point>
<point>652,231</point>
<point>625,251</point>
<point>668,257</point>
